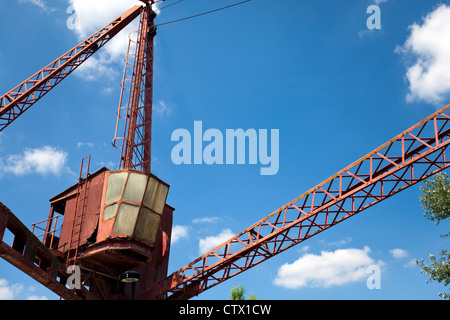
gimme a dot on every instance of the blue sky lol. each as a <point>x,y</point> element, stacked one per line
<point>334,89</point>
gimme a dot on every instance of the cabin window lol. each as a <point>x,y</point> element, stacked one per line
<point>126,219</point>
<point>110,211</point>
<point>135,187</point>
<point>116,182</point>
<point>155,196</point>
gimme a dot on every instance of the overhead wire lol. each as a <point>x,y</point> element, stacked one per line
<point>200,14</point>
<point>169,5</point>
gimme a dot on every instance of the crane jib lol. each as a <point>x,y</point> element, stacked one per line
<point>19,99</point>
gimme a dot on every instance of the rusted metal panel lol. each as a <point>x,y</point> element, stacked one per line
<point>66,228</point>
<point>90,221</point>
<point>156,270</point>
<point>71,191</point>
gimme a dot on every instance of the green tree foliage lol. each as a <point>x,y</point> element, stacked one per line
<point>436,197</point>
<point>436,204</point>
<point>237,293</point>
<point>439,270</point>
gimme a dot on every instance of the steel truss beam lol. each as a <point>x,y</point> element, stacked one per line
<point>410,157</point>
<point>30,255</point>
<point>134,116</point>
<point>19,99</point>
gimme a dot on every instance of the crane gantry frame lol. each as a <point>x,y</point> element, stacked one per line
<point>410,157</point>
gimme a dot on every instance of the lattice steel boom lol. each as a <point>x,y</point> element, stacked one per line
<point>19,99</point>
<point>410,157</point>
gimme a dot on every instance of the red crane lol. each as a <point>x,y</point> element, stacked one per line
<point>133,228</point>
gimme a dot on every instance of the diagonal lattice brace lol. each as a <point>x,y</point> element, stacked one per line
<point>19,99</point>
<point>410,157</point>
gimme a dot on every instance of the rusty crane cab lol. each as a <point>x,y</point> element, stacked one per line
<point>117,221</point>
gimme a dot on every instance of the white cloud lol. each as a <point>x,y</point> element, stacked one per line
<point>303,249</point>
<point>108,164</point>
<point>44,160</point>
<point>410,263</point>
<point>93,15</point>
<point>8,292</point>
<point>429,46</point>
<point>179,232</point>
<point>107,90</point>
<point>327,269</point>
<point>206,220</point>
<point>41,4</point>
<point>162,108</point>
<point>208,243</point>
<point>87,144</point>
<point>340,243</point>
<point>398,253</point>
<point>16,291</point>
<point>89,16</point>
<point>35,297</point>
<point>98,67</point>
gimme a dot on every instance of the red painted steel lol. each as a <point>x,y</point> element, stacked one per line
<point>64,204</point>
<point>134,118</point>
<point>19,99</point>
<point>79,212</point>
<point>410,157</point>
<point>49,230</point>
<point>31,256</point>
